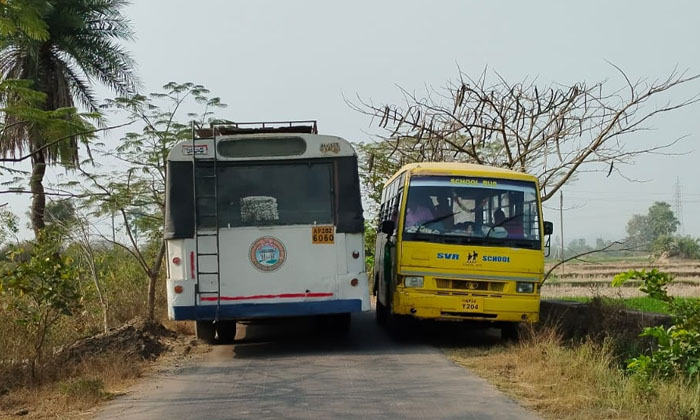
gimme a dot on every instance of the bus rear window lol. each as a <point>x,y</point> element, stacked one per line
<point>272,194</point>
<point>259,147</point>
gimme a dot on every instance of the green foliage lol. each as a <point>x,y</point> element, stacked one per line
<point>84,46</point>
<point>654,282</point>
<point>9,225</point>
<point>23,17</point>
<point>23,110</point>
<point>677,246</point>
<point>678,346</point>
<point>83,389</point>
<point>39,287</point>
<point>659,221</point>
<point>688,247</point>
<point>376,166</point>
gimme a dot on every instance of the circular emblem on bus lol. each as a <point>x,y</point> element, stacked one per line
<point>267,253</point>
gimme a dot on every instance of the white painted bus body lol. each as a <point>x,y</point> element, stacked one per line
<point>313,279</point>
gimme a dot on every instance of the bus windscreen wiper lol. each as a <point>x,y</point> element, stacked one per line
<point>435,220</point>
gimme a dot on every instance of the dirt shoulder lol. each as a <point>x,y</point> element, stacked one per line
<point>96,369</point>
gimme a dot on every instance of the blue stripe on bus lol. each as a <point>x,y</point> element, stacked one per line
<point>266,310</point>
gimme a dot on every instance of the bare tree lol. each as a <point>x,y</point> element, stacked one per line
<point>78,232</point>
<point>553,132</point>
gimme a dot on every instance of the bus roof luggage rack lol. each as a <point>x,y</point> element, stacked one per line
<point>223,128</point>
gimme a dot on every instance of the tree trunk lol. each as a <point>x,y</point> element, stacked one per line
<point>38,196</point>
<point>153,279</point>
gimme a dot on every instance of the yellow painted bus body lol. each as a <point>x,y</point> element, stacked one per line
<point>460,281</point>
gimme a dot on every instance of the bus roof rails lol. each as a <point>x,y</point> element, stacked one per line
<point>223,128</point>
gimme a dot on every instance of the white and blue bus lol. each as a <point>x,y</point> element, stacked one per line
<point>263,220</point>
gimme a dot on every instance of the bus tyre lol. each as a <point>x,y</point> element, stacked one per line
<point>226,331</point>
<point>341,324</point>
<point>205,331</point>
<point>380,313</point>
<point>510,331</point>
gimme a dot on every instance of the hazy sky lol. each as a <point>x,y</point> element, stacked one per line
<point>272,60</point>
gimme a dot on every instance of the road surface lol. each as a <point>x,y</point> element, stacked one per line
<point>294,370</point>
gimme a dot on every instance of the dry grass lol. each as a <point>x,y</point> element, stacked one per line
<point>85,385</point>
<point>593,279</point>
<point>577,382</point>
<point>605,290</point>
<point>180,327</point>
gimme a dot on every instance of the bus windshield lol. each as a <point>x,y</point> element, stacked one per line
<point>479,211</point>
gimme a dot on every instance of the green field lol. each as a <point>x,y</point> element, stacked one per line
<point>645,304</point>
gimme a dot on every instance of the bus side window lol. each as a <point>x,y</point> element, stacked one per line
<point>395,207</point>
<point>382,209</point>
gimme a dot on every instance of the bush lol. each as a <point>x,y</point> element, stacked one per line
<point>677,246</point>
<point>85,389</point>
<point>39,289</point>
<point>677,351</point>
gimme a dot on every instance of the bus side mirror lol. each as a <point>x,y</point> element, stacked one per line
<point>548,228</point>
<point>388,227</point>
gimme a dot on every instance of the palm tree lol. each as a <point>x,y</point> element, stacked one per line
<point>82,46</point>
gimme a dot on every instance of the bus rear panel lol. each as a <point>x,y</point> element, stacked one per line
<point>264,224</point>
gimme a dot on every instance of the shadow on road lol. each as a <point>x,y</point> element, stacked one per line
<point>306,336</point>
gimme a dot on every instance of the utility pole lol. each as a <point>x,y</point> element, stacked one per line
<point>561,227</point>
<point>678,204</point>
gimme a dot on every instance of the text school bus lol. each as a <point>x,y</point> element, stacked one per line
<point>263,220</point>
<point>460,242</point>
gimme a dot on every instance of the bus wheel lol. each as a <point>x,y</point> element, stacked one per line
<point>226,331</point>
<point>509,331</point>
<point>380,313</point>
<point>205,331</point>
<point>341,323</point>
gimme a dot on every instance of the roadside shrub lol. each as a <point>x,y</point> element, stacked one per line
<point>677,351</point>
<point>677,246</point>
<point>84,389</point>
<point>688,247</point>
<point>39,289</point>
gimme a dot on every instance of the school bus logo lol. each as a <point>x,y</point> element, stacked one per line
<point>267,254</point>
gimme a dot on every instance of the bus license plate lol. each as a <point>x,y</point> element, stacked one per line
<point>473,305</point>
<point>322,235</point>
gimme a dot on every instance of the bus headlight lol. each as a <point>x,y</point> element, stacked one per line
<point>525,287</point>
<point>413,281</point>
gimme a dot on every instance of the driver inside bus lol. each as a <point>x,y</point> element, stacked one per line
<point>420,209</point>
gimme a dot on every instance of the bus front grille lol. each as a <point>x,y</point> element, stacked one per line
<point>469,285</point>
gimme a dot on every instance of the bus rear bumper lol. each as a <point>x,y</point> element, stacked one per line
<point>265,310</point>
<point>460,307</point>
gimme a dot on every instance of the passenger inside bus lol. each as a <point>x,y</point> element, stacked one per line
<point>499,217</point>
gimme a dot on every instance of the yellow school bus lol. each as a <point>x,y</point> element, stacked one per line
<point>460,242</point>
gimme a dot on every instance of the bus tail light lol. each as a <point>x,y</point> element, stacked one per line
<point>192,265</point>
<point>354,282</point>
<point>178,289</point>
<point>176,260</point>
<point>356,254</point>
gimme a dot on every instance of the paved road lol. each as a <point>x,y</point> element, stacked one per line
<point>293,370</point>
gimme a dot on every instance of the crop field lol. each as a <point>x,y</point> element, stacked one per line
<point>592,279</point>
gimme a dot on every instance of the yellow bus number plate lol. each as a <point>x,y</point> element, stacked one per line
<point>473,305</point>
<point>322,235</point>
